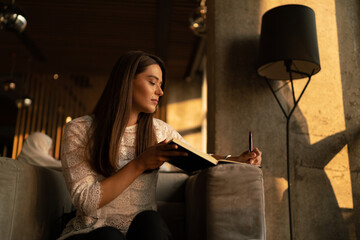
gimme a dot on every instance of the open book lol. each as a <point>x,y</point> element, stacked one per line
<point>196,160</point>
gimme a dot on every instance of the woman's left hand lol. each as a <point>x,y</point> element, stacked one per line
<point>253,158</point>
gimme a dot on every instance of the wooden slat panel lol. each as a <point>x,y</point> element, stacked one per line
<point>51,107</point>
<point>31,107</point>
<point>36,102</point>
<point>16,136</point>
<point>55,115</point>
<point>47,102</point>
<point>52,103</point>
<point>21,131</point>
<point>41,105</point>
<point>60,122</point>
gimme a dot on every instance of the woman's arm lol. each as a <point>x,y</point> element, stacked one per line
<point>150,159</point>
<point>88,193</point>
<point>114,185</point>
<point>82,182</point>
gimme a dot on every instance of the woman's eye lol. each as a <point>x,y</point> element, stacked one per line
<point>152,83</point>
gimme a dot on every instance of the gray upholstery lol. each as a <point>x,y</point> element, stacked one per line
<point>226,202</point>
<point>171,201</point>
<point>223,202</point>
<point>32,201</point>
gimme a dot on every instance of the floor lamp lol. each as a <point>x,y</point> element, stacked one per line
<point>288,51</point>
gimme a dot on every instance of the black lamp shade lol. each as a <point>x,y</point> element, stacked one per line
<point>288,37</point>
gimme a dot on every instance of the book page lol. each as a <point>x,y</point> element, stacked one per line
<point>195,151</point>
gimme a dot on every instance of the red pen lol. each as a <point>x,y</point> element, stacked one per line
<point>251,146</point>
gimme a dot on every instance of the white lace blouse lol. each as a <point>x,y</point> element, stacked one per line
<point>84,183</point>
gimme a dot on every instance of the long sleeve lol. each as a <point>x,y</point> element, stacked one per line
<point>82,182</point>
<point>165,131</point>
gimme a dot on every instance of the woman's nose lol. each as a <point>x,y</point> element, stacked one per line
<point>159,91</point>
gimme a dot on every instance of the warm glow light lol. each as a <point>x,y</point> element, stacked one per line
<point>181,118</point>
<point>56,76</point>
<point>188,123</point>
<point>27,102</point>
<point>338,172</point>
<point>12,86</point>
<point>18,103</point>
<point>326,117</point>
<point>9,86</point>
<point>68,119</point>
<point>195,25</point>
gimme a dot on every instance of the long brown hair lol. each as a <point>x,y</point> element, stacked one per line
<point>112,112</point>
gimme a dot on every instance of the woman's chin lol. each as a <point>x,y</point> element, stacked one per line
<point>150,111</point>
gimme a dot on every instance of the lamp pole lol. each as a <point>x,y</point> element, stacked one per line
<point>288,50</point>
<point>288,116</point>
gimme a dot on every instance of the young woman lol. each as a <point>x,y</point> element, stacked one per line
<point>110,159</point>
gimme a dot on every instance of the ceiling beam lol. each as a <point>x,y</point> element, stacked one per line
<point>163,28</point>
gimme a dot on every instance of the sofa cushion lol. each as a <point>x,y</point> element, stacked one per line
<point>226,202</point>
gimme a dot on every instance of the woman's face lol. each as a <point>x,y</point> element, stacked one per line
<point>147,90</point>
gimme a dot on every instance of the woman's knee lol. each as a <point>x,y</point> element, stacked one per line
<point>108,233</point>
<point>104,233</point>
<point>148,225</point>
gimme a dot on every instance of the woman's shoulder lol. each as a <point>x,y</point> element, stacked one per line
<point>83,120</point>
<point>164,130</point>
<point>80,124</point>
<point>158,124</point>
<point>77,131</point>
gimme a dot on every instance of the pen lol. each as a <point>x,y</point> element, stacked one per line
<point>251,146</point>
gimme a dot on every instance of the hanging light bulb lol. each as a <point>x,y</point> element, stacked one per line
<point>9,86</point>
<point>27,101</point>
<point>23,102</point>
<point>19,103</point>
<point>198,20</point>
<point>11,18</point>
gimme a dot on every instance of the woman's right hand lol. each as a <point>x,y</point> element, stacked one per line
<point>156,155</point>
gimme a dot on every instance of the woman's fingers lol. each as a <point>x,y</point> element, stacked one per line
<point>257,159</point>
<point>163,152</point>
<point>253,157</point>
<point>168,150</point>
<point>167,147</point>
<point>248,155</point>
<point>174,153</point>
<point>257,151</point>
<point>171,151</point>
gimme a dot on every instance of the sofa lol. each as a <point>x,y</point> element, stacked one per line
<point>222,202</point>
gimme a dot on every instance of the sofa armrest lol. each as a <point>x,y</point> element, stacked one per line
<point>226,202</point>
<point>33,200</point>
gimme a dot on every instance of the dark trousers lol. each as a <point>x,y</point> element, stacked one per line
<point>147,225</point>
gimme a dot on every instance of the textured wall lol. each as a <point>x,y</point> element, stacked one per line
<point>184,109</point>
<point>324,130</point>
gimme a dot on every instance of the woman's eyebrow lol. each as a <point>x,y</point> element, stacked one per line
<point>153,77</point>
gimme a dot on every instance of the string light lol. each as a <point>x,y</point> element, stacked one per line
<point>68,119</point>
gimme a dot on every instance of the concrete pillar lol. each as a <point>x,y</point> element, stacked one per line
<point>324,130</point>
